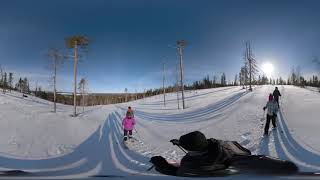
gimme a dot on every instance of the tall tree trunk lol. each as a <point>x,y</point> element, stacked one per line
<point>75,80</point>
<point>82,98</point>
<point>54,86</point>
<point>177,88</point>
<point>164,89</point>
<point>181,77</point>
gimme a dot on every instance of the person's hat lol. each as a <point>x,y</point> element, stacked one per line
<point>129,114</point>
<point>194,141</point>
<point>270,97</point>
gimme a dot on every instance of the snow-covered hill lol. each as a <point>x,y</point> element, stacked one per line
<point>59,146</point>
<point>30,130</point>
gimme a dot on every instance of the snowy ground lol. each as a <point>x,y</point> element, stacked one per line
<point>59,146</point>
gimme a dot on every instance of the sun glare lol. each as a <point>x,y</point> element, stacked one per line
<point>267,68</point>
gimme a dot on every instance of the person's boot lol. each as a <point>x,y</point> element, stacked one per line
<point>125,138</point>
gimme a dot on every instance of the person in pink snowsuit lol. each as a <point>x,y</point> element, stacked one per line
<point>128,124</point>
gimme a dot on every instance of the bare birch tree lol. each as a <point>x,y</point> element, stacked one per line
<point>57,60</point>
<point>76,43</point>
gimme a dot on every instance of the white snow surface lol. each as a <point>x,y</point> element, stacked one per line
<point>58,146</point>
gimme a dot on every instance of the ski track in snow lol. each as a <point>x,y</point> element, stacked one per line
<point>103,153</point>
<point>97,151</point>
<point>281,144</point>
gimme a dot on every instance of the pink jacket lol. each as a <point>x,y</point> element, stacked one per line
<point>128,123</point>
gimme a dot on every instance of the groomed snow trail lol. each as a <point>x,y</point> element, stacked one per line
<point>223,113</point>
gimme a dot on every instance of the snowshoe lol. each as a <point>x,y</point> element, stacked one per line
<point>125,138</point>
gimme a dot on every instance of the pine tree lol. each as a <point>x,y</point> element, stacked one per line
<point>293,77</point>
<point>214,81</point>
<point>28,88</point>
<point>223,79</point>
<point>57,59</point>
<point>240,78</point>
<point>5,83</point>
<point>82,86</point>
<point>2,77</point>
<point>281,81</point>
<point>25,88</point>
<point>19,85</point>
<point>10,81</point>
<point>235,80</point>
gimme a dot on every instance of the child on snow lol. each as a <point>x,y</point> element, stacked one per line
<point>272,110</point>
<point>128,124</point>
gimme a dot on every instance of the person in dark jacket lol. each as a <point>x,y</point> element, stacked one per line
<point>276,94</point>
<point>212,157</point>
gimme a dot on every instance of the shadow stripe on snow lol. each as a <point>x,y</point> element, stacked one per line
<point>128,154</point>
<point>81,168</point>
<point>195,113</point>
<point>143,165</point>
<point>147,149</point>
<point>293,151</point>
<point>187,98</point>
<point>122,167</point>
<point>295,145</point>
<point>156,133</point>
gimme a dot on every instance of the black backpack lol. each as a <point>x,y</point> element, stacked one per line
<point>215,158</point>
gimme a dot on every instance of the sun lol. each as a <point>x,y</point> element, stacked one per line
<point>267,68</point>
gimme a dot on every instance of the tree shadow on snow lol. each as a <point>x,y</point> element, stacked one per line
<point>264,146</point>
<point>287,147</point>
<point>96,154</point>
<point>198,114</point>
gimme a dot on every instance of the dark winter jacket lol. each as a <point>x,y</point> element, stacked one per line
<point>276,94</point>
<point>213,157</point>
<point>218,156</point>
<point>203,162</point>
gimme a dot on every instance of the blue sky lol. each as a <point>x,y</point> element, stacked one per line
<point>130,38</point>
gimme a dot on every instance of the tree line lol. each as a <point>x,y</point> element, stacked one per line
<point>6,80</point>
<point>6,83</point>
<point>247,77</point>
<point>89,99</point>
